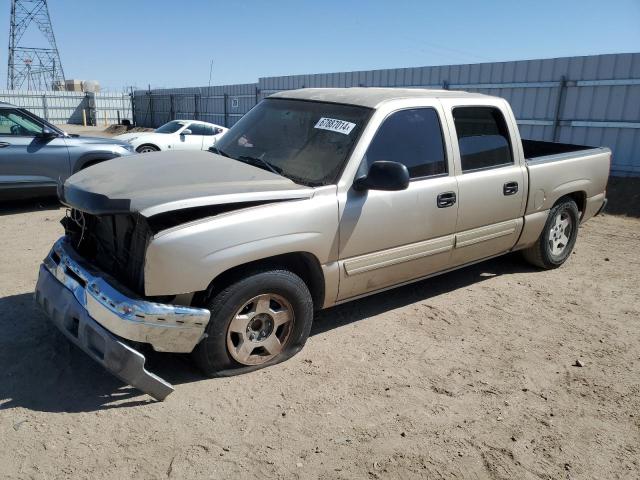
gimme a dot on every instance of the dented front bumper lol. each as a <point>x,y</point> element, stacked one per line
<point>96,315</point>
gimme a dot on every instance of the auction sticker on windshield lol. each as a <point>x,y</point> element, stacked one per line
<point>339,126</point>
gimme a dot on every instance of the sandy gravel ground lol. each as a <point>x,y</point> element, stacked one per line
<point>468,375</point>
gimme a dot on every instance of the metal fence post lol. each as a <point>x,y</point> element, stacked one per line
<point>562,92</point>
<point>196,106</point>
<point>45,108</point>
<point>172,107</point>
<point>132,99</point>
<point>226,110</point>
<point>151,109</point>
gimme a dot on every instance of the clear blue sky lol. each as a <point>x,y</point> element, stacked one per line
<point>171,43</point>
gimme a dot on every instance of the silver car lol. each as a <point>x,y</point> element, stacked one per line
<point>36,156</point>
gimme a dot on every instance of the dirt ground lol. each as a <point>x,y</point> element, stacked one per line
<point>467,375</point>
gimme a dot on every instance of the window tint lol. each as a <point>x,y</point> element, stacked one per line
<point>482,136</point>
<point>13,122</point>
<point>207,130</point>
<point>198,129</point>
<point>412,137</point>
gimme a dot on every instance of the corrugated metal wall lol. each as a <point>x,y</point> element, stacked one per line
<point>593,100</point>
<point>55,107</point>
<point>101,108</point>
<point>222,104</point>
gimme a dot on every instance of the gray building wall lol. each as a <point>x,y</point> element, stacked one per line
<point>591,100</point>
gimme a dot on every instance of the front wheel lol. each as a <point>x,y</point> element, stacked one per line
<point>147,149</point>
<point>260,320</point>
<point>558,237</point>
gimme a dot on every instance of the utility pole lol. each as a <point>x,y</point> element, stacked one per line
<point>37,68</point>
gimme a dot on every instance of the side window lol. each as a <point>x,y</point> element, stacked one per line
<point>483,137</point>
<point>208,130</point>
<point>412,137</point>
<point>197,129</point>
<point>13,122</point>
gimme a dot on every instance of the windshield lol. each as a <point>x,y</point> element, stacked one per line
<point>307,142</point>
<point>171,127</point>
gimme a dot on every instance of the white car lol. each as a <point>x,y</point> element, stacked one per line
<point>176,135</point>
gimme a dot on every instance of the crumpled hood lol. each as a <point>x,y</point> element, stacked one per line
<point>154,183</point>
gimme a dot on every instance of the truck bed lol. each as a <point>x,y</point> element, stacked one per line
<point>556,169</point>
<point>537,148</point>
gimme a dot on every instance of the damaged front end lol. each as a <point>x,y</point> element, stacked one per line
<point>92,284</point>
<point>100,316</point>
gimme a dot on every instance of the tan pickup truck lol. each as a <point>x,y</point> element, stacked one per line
<point>314,198</point>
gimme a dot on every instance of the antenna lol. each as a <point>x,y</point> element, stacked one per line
<point>39,68</point>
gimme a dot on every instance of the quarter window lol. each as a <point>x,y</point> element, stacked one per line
<point>483,138</point>
<point>412,137</point>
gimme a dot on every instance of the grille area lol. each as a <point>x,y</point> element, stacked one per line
<point>116,244</point>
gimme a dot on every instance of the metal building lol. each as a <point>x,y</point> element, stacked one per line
<point>591,100</point>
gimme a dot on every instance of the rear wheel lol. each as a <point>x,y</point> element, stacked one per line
<point>260,320</point>
<point>558,237</point>
<point>147,149</point>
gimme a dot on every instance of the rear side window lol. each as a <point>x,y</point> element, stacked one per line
<point>207,130</point>
<point>483,138</point>
<point>197,129</point>
<point>412,137</point>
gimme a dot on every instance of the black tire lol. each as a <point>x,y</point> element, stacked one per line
<point>212,354</point>
<point>147,148</point>
<point>541,253</point>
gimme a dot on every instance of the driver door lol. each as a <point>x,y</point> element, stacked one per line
<point>27,160</point>
<point>391,237</point>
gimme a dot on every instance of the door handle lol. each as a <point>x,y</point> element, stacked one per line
<point>446,199</point>
<point>510,188</point>
<point>4,144</point>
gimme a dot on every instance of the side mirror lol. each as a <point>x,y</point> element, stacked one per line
<point>47,133</point>
<point>384,175</point>
<point>186,131</point>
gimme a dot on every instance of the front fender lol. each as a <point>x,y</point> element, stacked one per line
<point>93,157</point>
<point>186,259</point>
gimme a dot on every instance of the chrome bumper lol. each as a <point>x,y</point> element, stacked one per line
<point>168,328</point>
<point>93,314</point>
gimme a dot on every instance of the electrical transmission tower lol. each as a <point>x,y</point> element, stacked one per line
<point>33,68</point>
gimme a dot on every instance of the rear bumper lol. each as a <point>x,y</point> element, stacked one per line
<point>74,322</point>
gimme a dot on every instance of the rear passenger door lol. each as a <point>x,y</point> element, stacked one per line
<point>390,237</point>
<point>491,182</point>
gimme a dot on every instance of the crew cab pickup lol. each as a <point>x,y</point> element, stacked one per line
<point>314,198</point>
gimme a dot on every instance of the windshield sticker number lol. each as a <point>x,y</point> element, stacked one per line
<point>333,125</point>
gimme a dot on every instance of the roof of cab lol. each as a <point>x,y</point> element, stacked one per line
<point>370,97</point>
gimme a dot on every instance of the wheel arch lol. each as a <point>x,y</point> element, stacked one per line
<point>91,159</point>
<point>304,264</point>
<point>579,196</point>
<point>147,144</point>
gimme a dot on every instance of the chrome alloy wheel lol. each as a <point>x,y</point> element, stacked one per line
<point>260,329</point>
<point>560,233</point>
